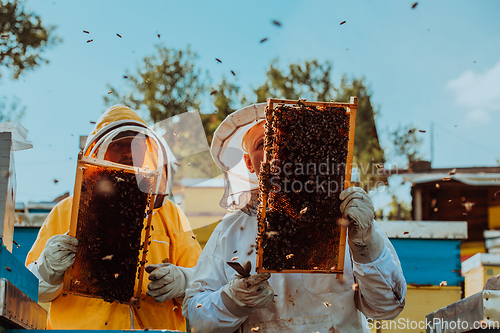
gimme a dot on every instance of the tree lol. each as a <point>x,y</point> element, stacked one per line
<point>310,81</point>
<point>22,40</point>
<point>168,83</point>
<point>227,98</point>
<point>406,143</point>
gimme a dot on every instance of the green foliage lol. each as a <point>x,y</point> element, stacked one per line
<point>167,83</point>
<point>366,144</point>
<point>23,38</point>
<point>406,143</point>
<point>226,98</point>
<point>399,211</point>
<point>310,81</point>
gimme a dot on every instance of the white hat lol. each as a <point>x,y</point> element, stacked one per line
<point>227,152</point>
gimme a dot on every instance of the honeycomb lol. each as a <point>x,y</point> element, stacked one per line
<point>111,216</point>
<point>302,177</point>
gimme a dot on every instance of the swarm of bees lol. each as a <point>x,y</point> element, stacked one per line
<point>307,148</point>
<point>111,263</point>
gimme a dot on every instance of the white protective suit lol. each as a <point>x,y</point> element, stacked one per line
<point>304,302</point>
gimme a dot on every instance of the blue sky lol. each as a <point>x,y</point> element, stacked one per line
<point>439,62</point>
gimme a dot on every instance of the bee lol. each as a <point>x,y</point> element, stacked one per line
<point>343,22</point>
<point>213,92</point>
<point>119,35</point>
<point>327,304</point>
<point>218,60</point>
<point>443,283</point>
<point>90,41</point>
<point>198,306</point>
<point>421,131</point>
<point>414,5</point>
<point>108,257</point>
<point>263,40</point>
<point>234,258</point>
<point>233,73</point>
<point>8,268</point>
<point>255,329</point>
<point>452,172</point>
<point>85,31</point>
<point>125,76</point>
<point>158,36</point>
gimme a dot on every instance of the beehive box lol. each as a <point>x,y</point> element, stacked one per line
<point>307,163</point>
<point>479,268</point>
<point>108,218</point>
<point>429,252</point>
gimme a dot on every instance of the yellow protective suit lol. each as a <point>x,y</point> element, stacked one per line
<point>168,241</point>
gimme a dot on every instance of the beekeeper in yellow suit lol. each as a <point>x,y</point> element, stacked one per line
<point>172,249</point>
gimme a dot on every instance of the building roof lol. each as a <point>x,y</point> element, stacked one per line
<point>425,229</point>
<point>474,179</point>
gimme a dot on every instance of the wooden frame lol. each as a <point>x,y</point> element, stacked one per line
<point>351,109</point>
<point>82,162</point>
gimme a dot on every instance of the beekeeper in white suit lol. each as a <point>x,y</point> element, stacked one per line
<point>220,300</point>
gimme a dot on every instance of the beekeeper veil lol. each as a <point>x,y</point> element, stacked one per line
<point>121,130</point>
<point>227,152</point>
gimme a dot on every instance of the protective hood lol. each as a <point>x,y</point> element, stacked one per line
<point>119,122</point>
<point>227,152</point>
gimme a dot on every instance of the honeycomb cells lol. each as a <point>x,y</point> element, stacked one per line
<point>303,176</point>
<point>110,221</point>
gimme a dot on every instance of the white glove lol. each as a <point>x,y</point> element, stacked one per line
<point>167,281</point>
<point>366,244</point>
<point>244,294</point>
<point>59,253</point>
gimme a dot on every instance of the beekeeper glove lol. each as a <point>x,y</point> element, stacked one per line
<point>59,253</point>
<point>365,242</point>
<point>242,295</point>
<point>167,281</point>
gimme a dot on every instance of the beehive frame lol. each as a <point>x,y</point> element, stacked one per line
<point>351,108</point>
<point>70,284</point>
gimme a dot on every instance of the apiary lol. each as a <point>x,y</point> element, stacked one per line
<point>109,213</point>
<point>307,163</point>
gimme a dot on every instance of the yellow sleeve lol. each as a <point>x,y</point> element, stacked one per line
<point>56,223</point>
<point>185,249</point>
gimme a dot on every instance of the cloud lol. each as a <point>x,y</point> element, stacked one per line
<point>478,116</point>
<point>480,93</point>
